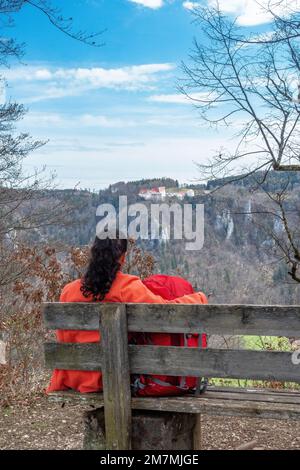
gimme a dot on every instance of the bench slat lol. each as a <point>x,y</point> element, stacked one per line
<point>276,320</point>
<point>270,397</point>
<point>235,364</point>
<point>216,319</point>
<point>225,393</point>
<point>220,407</point>
<point>75,356</point>
<point>213,402</point>
<point>223,363</point>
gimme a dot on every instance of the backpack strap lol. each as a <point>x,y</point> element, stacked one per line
<point>136,384</point>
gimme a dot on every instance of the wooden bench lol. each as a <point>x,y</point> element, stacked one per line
<point>116,359</point>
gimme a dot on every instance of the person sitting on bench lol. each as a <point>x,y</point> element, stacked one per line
<point>104,281</point>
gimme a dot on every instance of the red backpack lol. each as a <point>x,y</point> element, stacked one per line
<point>168,287</point>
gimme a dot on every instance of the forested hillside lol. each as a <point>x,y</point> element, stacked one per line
<point>239,261</point>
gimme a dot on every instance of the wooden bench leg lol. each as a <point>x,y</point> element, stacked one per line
<point>151,430</point>
<point>197,433</point>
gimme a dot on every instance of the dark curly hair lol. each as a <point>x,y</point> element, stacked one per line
<point>103,267</point>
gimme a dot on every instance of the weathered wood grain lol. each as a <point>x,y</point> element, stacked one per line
<point>72,316</point>
<point>222,363</point>
<point>216,392</point>
<point>206,404</point>
<point>235,364</point>
<point>116,377</point>
<point>284,392</point>
<point>249,395</point>
<point>219,407</point>
<point>276,320</point>
<point>73,356</point>
<point>197,437</point>
<point>216,319</point>
<point>71,396</point>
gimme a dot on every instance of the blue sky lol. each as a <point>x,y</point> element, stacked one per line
<point>114,113</point>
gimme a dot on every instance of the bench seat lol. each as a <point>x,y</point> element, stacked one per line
<point>215,401</point>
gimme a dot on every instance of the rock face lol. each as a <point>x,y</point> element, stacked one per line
<point>224,221</point>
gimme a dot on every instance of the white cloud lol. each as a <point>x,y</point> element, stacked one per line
<point>81,122</point>
<point>251,12</point>
<point>92,120</point>
<point>178,98</point>
<point>42,74</point>
<point>96,76</point>
<point>190,5</point>
<point>248,12</point>
<point>149,3</point>
<point>42,120</point>
<point>49,83</point>
<point>100,166</point>
<point>267,36</point>
<point>61,121</point>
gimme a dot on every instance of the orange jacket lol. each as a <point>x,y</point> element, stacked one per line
<point>125,289</point>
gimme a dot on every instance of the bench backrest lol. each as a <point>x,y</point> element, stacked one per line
<point>116,359</point>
